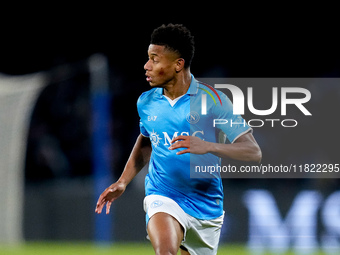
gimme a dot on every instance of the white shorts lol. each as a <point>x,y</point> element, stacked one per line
<point>200,236</point>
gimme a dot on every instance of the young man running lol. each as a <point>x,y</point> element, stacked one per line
<point>184,210</point>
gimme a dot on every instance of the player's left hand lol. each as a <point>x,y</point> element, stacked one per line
<point>192,144</point>
<point>109,195</point>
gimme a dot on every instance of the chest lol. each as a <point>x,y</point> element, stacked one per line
<point>161,115</point>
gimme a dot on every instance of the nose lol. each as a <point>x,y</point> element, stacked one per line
<point>147,66</point>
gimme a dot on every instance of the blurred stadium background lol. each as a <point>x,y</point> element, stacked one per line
<point>69,82</point>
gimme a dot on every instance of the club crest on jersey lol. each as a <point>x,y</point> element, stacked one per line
<point>193,117</point>
<point>156,204</point>
<point>154,138</point>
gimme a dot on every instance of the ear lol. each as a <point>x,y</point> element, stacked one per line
<point>179,64</point>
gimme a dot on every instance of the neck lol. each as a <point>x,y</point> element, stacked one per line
<point>179,86</point>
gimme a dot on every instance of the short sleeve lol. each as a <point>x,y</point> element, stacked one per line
<point>233,125</point>
<point>143,130</point>
<point>141,114</point>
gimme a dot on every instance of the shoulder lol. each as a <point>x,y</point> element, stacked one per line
<point>218,102</point>
<point>218,97</point>
<point>147,96</point>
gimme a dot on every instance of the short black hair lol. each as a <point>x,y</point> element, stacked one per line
<point>175,37</point>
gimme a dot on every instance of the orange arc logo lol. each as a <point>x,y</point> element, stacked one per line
<point>213,90</point>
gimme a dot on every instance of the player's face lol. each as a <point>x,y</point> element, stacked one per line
<point>161,66</point>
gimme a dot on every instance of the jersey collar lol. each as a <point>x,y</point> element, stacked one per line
<point>193,89</point>
<point>193,86</point>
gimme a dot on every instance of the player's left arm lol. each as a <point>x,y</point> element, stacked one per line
<point>244,148</point>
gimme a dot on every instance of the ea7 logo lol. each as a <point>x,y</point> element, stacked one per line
<point>152,118</point>
<point>238,100</point>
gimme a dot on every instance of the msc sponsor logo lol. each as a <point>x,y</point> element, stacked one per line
<point>156,139</point>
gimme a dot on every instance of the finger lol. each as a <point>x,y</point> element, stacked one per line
<point>180,137</point>
<point>180,144</point>
<point>100,208</point>
<point>183,151</point>
<point>100,205</point>
<point>108,206</point>
<point>101,202</point>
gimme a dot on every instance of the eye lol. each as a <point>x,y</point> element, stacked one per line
<point>155,60</point>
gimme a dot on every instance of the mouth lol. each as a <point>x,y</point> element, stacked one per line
<point>148,78</point>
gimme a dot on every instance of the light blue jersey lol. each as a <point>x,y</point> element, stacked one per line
<point>173,175</point>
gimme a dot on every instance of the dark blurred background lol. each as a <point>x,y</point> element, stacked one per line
<point>268,41</point>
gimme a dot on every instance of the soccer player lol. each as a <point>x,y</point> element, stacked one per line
<point>184,210</point>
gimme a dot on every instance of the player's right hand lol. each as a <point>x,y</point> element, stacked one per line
<point>109,195</point>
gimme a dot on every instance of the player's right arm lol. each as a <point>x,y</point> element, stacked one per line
<point>139,157</point>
